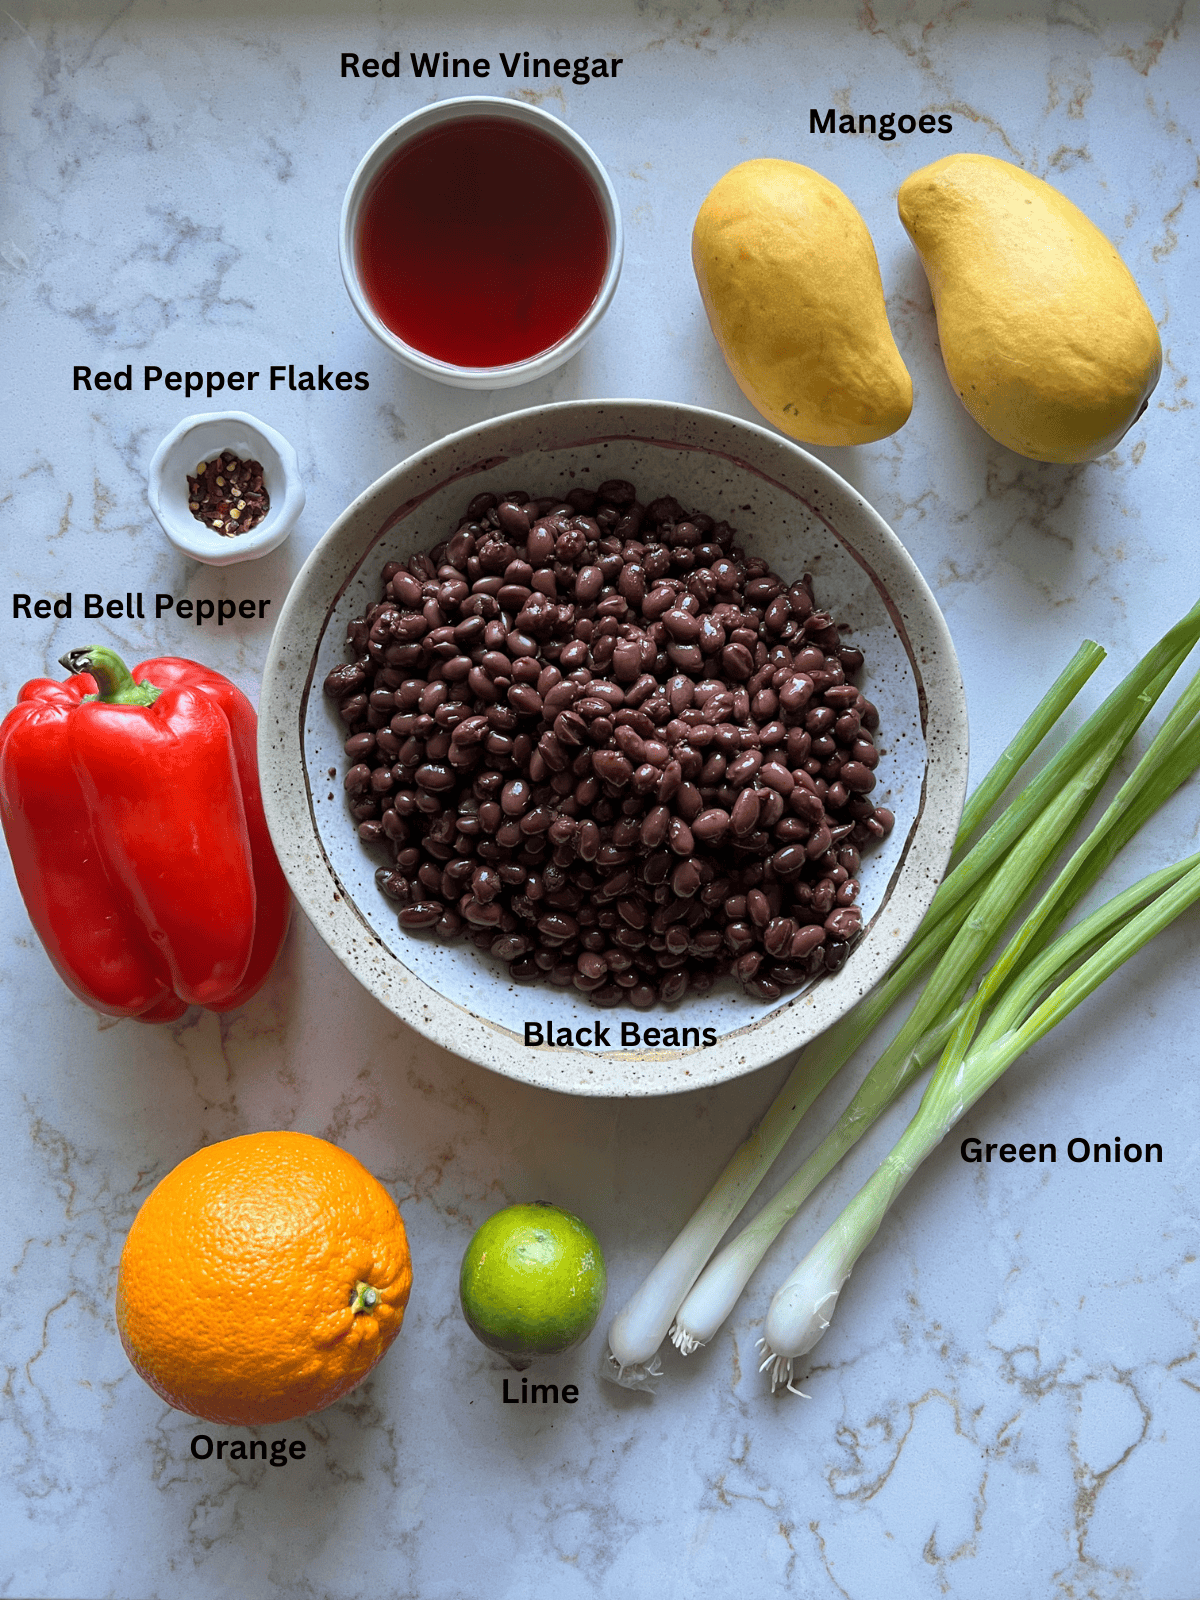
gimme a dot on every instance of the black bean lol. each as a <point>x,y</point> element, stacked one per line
<point>610,766</point>
<point>856,777</point>
<point>685,880</point>
<point>513,520</point>
<point>435,777</point>
<point>711,826</point>
<point>819,842</point>
<point>758,908</point>
<point>834,954</point>
<point>744,817</point>
<point>525,699</point>
<point>743,768</point>
<point>673,988</point>
<point>844,923</point>
<point>421,914</point>
<point>683,627</point>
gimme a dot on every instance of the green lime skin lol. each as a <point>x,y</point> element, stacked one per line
<point>533,1282</point>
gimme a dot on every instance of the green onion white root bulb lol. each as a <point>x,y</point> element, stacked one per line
<point>803,1307</point>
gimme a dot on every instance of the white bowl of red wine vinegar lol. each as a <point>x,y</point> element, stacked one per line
<point>481,242</point>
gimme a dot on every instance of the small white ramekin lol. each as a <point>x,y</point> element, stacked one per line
<point>415,126</point>
<point>198,439</point>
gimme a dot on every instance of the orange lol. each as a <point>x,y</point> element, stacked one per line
<point>262,1279</point>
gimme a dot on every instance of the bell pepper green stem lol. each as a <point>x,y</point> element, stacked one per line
<point>113,677</point>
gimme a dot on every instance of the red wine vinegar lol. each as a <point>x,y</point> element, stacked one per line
<point>482,243</point>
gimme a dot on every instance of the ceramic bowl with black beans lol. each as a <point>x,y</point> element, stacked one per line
<point>618,746</point>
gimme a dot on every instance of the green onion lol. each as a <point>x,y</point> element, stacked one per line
<point>966,916</point>
<point>1173,756</point>
<point>801,1310</point>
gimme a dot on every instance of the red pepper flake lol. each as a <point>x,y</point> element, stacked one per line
<point>227,494</point>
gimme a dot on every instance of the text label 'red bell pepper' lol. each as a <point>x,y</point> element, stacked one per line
<point>135,824</point>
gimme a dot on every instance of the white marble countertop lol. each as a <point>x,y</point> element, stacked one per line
<point>1008,1401</point>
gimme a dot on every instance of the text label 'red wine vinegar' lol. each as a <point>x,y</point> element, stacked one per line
<point>482,244</point>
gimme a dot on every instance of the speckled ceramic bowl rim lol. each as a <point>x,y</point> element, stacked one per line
<point>289,681</point>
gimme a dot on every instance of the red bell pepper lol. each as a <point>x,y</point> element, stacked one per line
<point>135,824</point>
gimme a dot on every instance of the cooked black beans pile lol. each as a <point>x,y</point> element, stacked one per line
<point>612,749</point>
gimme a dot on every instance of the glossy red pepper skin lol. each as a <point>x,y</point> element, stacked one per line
<point>273,907</point>
<point>139,842</point>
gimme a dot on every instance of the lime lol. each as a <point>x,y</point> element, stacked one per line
<point>533,1282</point>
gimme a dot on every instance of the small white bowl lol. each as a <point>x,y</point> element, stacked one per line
<point>416,126</point>
<point>787,507</point>
<point>200,438</point>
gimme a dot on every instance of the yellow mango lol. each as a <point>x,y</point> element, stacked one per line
<point>789,279</point>
<point>1046,339</point>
